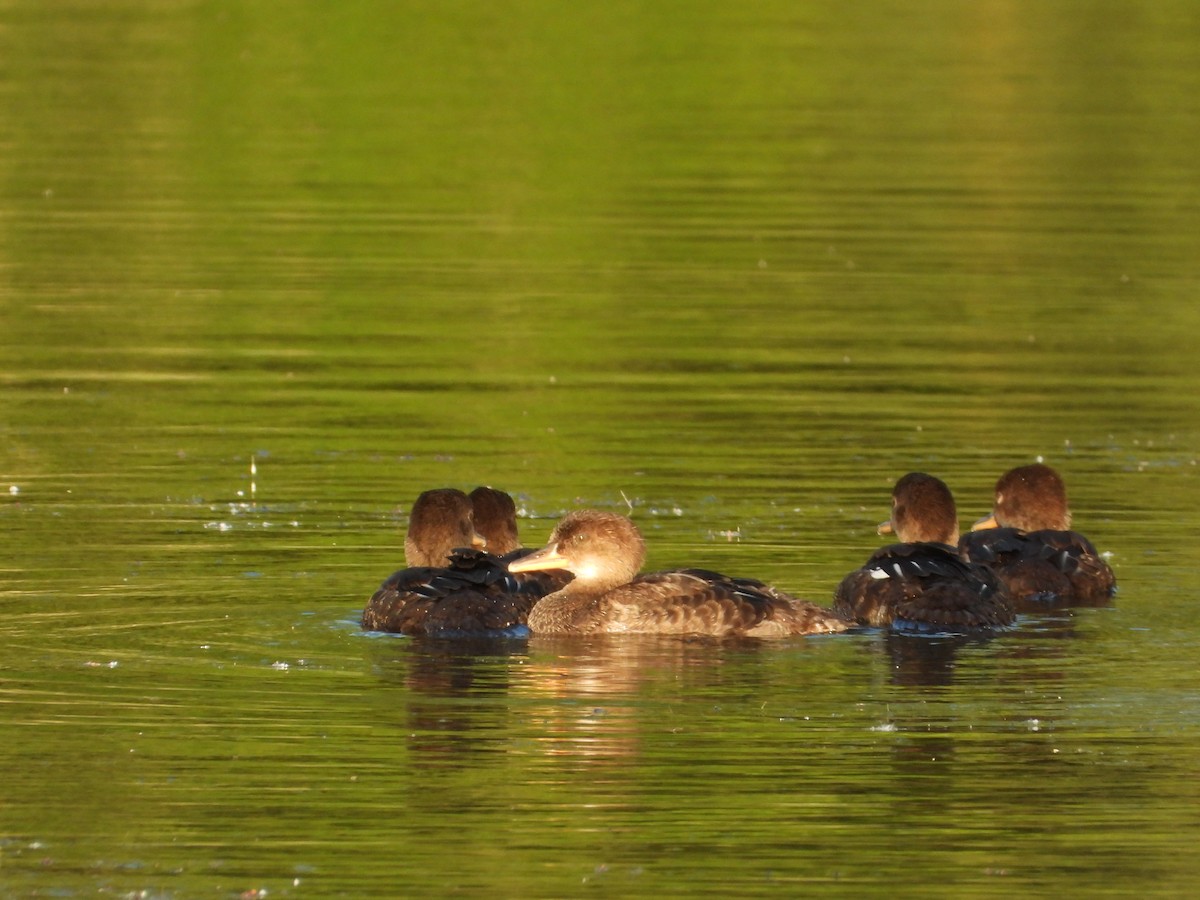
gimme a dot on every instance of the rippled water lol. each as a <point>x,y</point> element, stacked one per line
<point>736,268</point>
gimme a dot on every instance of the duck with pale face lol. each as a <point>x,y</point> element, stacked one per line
<point>1028,542</point>
<point>921,584</point>
<point>605,552</point>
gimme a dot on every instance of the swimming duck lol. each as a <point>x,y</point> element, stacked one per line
<point>1027,541</point>
<point>605,551</point>
<point>921,584</point>
<point>451,586</point>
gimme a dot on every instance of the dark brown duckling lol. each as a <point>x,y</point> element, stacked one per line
<point>605,551</point>
<point>921,584</point>
<point>439,521</point>
<point>495,517</point>
<point>1027,541</point>
<point>464,591</point>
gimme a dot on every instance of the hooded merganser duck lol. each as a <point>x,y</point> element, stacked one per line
<point>439,521</point>
<point>1027,541</point>
<point>451,586</point>
<point>605,551</point>
<point>921,584</point>
<point>495,517</point>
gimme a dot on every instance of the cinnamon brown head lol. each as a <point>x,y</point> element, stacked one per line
<point>1031,498</point>
<point>440,520</point>
<point>495,519</point>
<point>923,510</point>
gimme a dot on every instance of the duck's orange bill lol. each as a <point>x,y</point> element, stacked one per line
<point>546,558</point>
<point>885,528</point>
<point>988,521</point>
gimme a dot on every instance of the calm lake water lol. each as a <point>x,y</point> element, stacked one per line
<point>736,267</point>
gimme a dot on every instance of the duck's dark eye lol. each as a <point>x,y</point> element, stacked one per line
<point>579,537</point>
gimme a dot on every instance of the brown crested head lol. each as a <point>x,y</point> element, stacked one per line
<point>923,510</point>
<point>440,520</point>
<point>495,519</point>
<point>1032,498</point>
<point>601,549</point>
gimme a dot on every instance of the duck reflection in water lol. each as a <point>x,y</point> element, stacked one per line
<point>589,693</point>
<point>921,584</point>
<point>578,697</point>
<point>452,588</point>
<point>443,698</point>
<point>919,660</point>
<point>1028,543</point>
<point>605,551</point>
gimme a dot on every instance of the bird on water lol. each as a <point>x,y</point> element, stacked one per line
<point>452,585</point>
<point>1028,542</point>
<point>605,552</point>
<point>921,583</point>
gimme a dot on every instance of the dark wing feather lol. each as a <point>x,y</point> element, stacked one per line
<point>474,595</point>
<point>1043,569</point>
<point>402,601</point>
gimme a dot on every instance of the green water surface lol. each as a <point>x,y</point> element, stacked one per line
<point>731,267</point>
